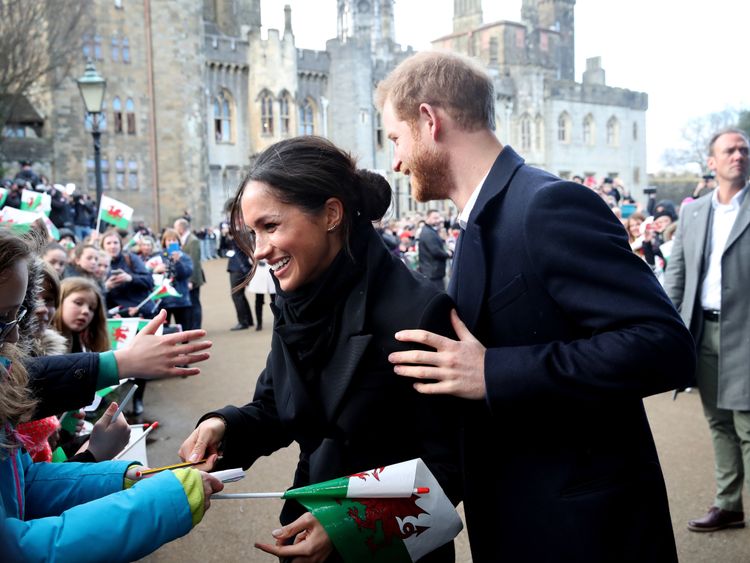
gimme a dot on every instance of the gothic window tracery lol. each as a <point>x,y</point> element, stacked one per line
<point>266,114</point>
<point>613,132</point>
<point>589,130</point>
<point>130,115</point>
<point>223,113</point>
<point>306,118</point>
<point>564,125</point>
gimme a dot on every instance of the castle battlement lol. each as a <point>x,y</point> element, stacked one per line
<point>597,94</point>
<point>309,60</point>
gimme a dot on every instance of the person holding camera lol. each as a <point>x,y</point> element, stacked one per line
<point>707,281</point>
<point>84,213</point>
<point>705,186</point>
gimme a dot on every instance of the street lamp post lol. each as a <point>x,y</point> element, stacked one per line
<point>92,87</point>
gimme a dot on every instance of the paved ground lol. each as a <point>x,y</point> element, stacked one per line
<point>229,529</point>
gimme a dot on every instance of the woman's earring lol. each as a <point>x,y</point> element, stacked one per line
<point>333,228</point>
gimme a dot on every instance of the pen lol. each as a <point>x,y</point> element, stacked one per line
<point>123,403</point>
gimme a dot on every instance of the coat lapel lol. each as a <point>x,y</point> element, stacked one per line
<point>351,345</point>
<point>468,289</point>
<point>741,223</point>
<point>699,251</point>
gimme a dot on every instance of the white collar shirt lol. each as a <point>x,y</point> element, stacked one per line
<point>725,215</point>
<point>463,217</point>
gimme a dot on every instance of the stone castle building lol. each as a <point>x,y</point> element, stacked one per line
<point>194,91</point>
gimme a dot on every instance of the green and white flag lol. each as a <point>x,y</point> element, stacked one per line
<point>164,290</point>
<point>3,196</point>
<point>122,331</point>
<point>392,514</point>
<point>17,220</point>
<point>36,202</point>
<point>115,212</point>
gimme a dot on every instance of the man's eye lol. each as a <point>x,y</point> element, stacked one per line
<point>270,226</point>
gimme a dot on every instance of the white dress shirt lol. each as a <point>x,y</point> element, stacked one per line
<point>463,217</point>
<point>725,214</point>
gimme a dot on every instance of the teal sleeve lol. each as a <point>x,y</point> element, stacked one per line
<point>108,373</point>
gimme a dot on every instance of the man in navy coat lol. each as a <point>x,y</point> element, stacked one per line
<point>562,332</point>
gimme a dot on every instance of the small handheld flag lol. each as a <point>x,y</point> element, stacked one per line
<point>115,212</point>
<point>36,202</point>
<point>397,513</point>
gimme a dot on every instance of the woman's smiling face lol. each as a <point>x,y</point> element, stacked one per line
<point>297,245</point>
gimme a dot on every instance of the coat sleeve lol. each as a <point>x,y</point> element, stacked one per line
<point>63,383</point>
<point>142,278</point>
<point>674,276</point>
<point>98,523</point>
<point>258,420</point>
<point>433,245</point>
<point>183,268</point>
<point>632,342</point>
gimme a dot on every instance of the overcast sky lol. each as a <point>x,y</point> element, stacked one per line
<point>691,58</point>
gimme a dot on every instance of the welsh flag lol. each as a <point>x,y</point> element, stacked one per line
<point>164,290</point>
<point>392,514</point>
<point>17,220</point>
<point>3,196</point>
<point>122,331</point>
<point>36,202</point>
<point>115,212</point>
<point>153,262</point>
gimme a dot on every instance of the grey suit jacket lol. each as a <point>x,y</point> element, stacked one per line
<point>683,279</point>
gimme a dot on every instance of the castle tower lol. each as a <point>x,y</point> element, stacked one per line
<point>467,15</point>
<point>355,19</point>
<point>559,16</point>
<point>229,15</point>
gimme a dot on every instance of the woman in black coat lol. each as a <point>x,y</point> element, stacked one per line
<point>341,296</point>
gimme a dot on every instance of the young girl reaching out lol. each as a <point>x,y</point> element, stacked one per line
<point>76,511</point>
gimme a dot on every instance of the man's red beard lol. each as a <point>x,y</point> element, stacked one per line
<point>429,173</point>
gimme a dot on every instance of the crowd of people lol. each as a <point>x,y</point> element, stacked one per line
<point>566,305</point>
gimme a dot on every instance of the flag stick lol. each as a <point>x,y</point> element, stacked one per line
<point>225,496</point>
<point>124,402</point>
<point>141,437</point>
<point>228,496</point>
<point>150,295</point>
<point>166,467</point>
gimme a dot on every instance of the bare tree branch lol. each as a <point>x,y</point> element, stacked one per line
<point>39,41</point>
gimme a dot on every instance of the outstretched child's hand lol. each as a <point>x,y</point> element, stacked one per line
<point>108,437</point>
<point>154,357</point>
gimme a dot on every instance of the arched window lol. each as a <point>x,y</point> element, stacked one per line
<point>539,133</point>
<point>564,125</point>
<point>378,130</point>
<point>266,114</point>
<point>307,118</point>
<point>525,129</point>
<point>87,45</point>
<point>88,119</point>
<point>125,50</point>
<point>589,130</point>
<point>613,132</point>
<point>130,113</point>
<point>223,108</point>
<point>115,50</point>
<point>117,114</point>
<point>132,174</point>
<point>284,118</point>
<point>120,173</point>
<point>98,47</point>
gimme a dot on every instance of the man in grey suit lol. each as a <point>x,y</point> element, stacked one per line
<point>707,279</point>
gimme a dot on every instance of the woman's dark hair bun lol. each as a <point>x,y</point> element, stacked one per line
<point>376,194</point>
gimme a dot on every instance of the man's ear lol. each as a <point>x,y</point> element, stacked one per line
<point>430,120</point>
<point>711,163</point>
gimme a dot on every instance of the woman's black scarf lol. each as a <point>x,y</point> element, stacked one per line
<point>308,319</point>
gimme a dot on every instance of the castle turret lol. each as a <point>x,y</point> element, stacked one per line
<point>467,15</point>
<point>557,15</point>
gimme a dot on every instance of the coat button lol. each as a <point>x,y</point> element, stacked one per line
<point>79,373</point>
